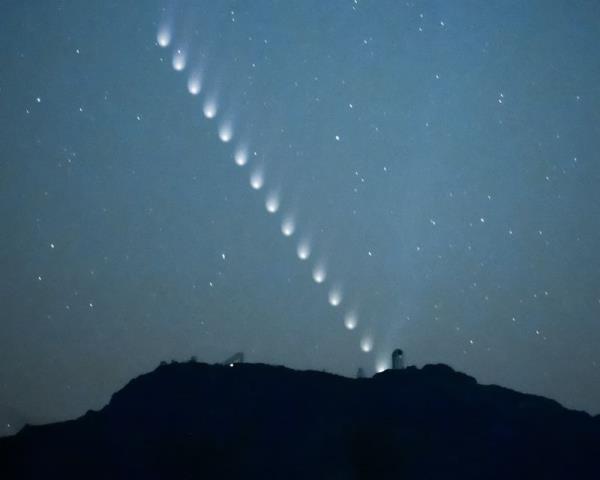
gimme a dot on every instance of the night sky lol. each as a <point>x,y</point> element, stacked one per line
<point>422,175</point>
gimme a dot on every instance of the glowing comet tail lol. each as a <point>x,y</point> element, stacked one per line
<point>163,37</point>
<point>225,132</point>
<point>179,60</point>
<point>272,203</point>
<point>303,250</point>
<point>257,180</point>
<point>210,108</point>
<point>335,297</point>
<point>194,85</point>
<point>350,320</point>
<point>319,274</point>
<point>381,366</point>
<point>288,227</point>
<point>241,157</point>
<point>366,344</point>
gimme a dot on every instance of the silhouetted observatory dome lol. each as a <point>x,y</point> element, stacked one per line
<point>397,359</point>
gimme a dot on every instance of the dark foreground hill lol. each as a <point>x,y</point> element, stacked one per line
<point>192,420</point>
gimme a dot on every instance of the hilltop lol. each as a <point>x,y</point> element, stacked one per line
<point>193,420</point>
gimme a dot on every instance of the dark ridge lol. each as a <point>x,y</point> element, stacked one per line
<point>252,421</point>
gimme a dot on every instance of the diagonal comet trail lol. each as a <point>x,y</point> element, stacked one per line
<point>288,227</point>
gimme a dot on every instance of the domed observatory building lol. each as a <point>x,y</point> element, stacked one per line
<point>397,359</point>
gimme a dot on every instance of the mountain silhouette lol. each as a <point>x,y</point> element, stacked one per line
<point>194,421</point>
<point>11,420</point>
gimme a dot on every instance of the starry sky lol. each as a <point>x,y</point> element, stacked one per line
<point>312,183</point>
